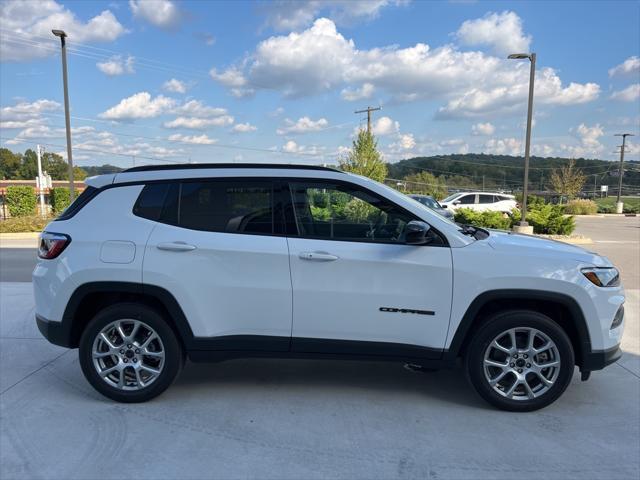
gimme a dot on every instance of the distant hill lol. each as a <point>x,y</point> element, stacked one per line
<point>505,171</point>
<point>101,170</point>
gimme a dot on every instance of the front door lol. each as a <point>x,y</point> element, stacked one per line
<point>357,287</point>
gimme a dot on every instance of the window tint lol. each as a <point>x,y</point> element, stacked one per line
<point>151,201</point>
<point>81,200</point>
<point>342,212</point>
<point>484,198</point>
<point>467,199</point>
<point>226,206</point>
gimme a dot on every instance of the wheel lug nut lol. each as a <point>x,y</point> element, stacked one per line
<point>528,365</point>
<point>125,360</point>
<point>135,359</point>
<point>526,356</point>
<point>519,370</point>
<point>129,346</point>
<point>121,352</point>
<point>137,350</point>
<point>512,365</point>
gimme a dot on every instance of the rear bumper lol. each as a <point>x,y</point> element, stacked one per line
<point>55,332</point>
<point>598,359</point>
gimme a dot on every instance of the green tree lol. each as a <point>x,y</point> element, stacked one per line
<point>426,183</point>
<point>569,180</point>
<point>364,158</point>
<point>9,163</point>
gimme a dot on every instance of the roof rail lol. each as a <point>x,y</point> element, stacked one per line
<point>193,166</point>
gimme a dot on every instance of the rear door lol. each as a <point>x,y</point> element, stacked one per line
<point>486,202</point>
<point>357,287</point>
<point>218,249</point>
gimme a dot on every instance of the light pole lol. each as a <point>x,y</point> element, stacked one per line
<point>63,35</point>
<point>525,190</point>
<point>619,204</point>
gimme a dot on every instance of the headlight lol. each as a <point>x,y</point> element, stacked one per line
<point>602,277</point>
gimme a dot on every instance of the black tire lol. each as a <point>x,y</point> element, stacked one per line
<point>173,353</point>
<point>503,322</point>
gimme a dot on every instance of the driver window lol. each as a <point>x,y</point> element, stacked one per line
<point>344,212</point>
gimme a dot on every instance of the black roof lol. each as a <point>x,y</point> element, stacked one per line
<point>193,166</point>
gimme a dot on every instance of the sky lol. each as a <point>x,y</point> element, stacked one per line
<point>154,81</point>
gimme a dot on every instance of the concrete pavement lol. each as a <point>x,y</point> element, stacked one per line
<point>312,419</point>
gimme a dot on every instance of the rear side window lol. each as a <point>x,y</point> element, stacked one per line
<point>151,201</point>
<point>232,206</point>
<point>484,198</point>
<point>467,199</point>
<point>227,206</point>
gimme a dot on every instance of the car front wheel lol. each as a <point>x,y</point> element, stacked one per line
<point>129,353</point>
<point>520,361</point>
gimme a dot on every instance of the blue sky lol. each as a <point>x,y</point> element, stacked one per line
<point>159,81</point>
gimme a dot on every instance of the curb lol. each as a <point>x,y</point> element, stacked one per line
<point>19,236</point>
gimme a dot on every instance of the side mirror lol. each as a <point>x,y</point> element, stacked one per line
<point>417,233</point>
<point>457,202</point>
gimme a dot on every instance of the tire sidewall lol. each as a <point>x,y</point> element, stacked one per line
<point>173,351</point>
<point>514,319</point>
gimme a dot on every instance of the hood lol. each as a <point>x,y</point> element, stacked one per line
<point>531,245</point>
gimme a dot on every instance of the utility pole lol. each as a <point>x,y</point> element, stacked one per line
<point>619,204</point>
<point>368,110</point>
<point>41,181</point>
<point>63,35</point>
<point>483,183</point>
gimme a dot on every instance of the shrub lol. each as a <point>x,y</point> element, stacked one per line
<point>23,224</point>
<point>21,200</point>
<point>581,207</point>
<point>606,209</point>
<point>485,219</point>
<point>547,219</point>
<point>60,199</point>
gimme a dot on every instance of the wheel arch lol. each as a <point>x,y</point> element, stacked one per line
<point>88,299</point>
<point>561,308</point>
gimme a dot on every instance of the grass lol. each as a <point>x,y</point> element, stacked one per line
<point>23,224</point>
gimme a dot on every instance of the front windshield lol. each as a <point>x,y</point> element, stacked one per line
<point>451,197</point>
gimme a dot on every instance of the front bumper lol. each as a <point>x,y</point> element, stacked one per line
<point>56,332</point>
<point>598,359</point>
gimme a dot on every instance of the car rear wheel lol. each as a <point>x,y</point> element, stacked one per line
<point>129,353</point>
<point>520,361</point>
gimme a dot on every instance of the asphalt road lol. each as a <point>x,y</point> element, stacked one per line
<point>280,419</point>
<point>16,264</point>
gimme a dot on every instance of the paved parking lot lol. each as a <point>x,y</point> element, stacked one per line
<point>310,419</point>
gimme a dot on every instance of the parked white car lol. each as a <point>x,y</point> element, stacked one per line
<point>213,262</point>
<point>480,201</point>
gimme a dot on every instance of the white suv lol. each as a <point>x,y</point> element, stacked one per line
<point>480,201</point>
<point>213,262</point>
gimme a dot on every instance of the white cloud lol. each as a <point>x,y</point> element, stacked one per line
<point>303,125</point>
<point>287,15</point>
<point>589,137</point>
<point>483,129</point>
<point>116,65</point>
<point>406,141</point>
<point>502,32</point>
<point>291,147</point>
<point>320,59</point>
<point>161,13</point>
<point>175,86</point>
<point>629,94</point>
<point>194,140</point>
<point>195,108</point>
<point>30,21</point>
<point>364,92</point>
<point>24,111</point>
<point>207,38</point>
<point>234,79</point>
<point>504,146</point>
<point>630,66</point>
<point>139,105</point>
<point>243,128</point>
<point>542,150</point>
<point>199,123</point>
<point>385,126</point>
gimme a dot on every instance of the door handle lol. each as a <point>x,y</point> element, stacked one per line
<point>318,256</point>
<point>176,247</point>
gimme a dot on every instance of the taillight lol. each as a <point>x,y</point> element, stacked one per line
<point>52,244</point>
